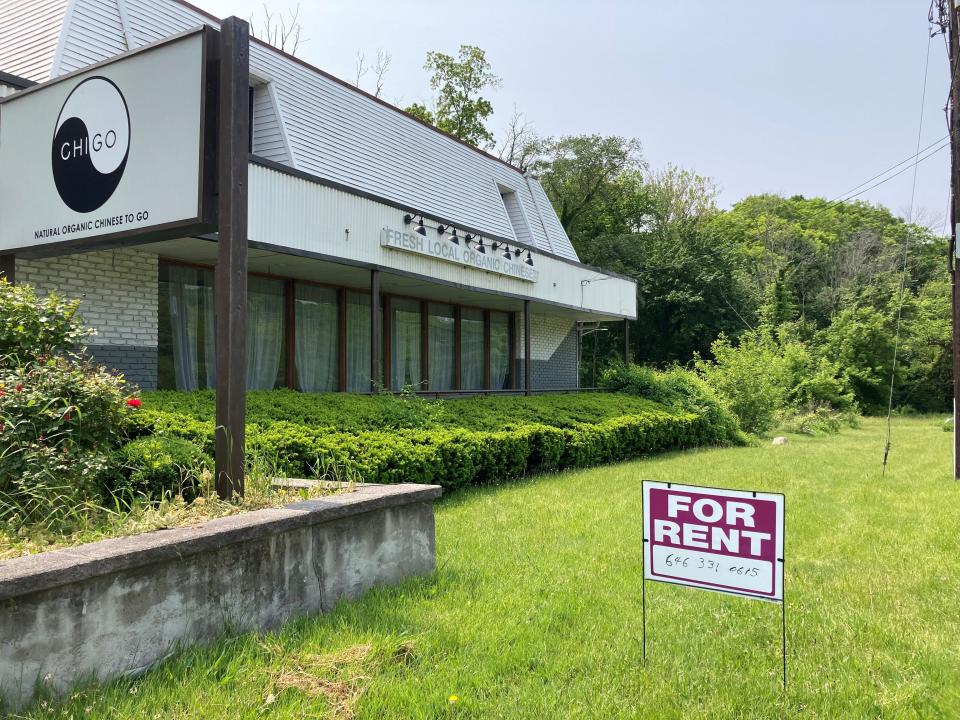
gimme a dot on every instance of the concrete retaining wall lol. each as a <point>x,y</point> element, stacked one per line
<point>117,606</point>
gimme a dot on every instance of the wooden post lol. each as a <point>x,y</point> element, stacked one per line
<point>527,380</point>
<point>626,342</point>
<point>376,333</point>
<point>954,260</point>
<point>231,270</point>
<point>8,268</point>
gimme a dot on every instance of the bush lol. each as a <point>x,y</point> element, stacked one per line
<point>158,466</point>
<point>752,377</point>
<point>61,415</point>
<point>357,413</point>
<point>678,389</point>
<point>454,457</point>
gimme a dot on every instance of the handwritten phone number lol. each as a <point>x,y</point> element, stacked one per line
<point>685,561</point>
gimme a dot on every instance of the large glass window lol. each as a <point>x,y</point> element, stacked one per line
<point>499,351</point>
<point>472,350</point>
<point>317,338</point>
<point>405,345</point>
<point>358,341</point>
<point>187,358</point>
<point>443,339</point>
<point>265,333</point>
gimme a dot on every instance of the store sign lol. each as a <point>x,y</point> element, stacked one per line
<point>109,152</point>
<point>442,249</point>
<point>722,540</point>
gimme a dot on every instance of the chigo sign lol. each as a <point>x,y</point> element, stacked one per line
<point>723,540</point>
<point>102,154</point>
<point>442,249</point>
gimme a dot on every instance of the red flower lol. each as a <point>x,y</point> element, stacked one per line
<point>134,402</point>
<point>19,387</point>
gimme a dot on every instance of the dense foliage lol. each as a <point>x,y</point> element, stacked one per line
<point>451,443</point>
<point>61,416</point>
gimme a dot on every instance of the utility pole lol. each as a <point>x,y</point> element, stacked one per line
<point>953,118</point>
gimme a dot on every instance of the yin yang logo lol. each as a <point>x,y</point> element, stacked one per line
<point>91,144</point>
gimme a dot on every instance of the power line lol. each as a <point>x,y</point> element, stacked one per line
<point>893,167</point>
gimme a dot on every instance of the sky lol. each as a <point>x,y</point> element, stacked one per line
<point>810,98</point>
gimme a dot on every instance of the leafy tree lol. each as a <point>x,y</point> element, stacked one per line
<point>460,109</point>
<point>595,184</point>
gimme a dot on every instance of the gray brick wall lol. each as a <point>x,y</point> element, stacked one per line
<point>136,364</point>
<point>118,289</point>
<point>553,352</point>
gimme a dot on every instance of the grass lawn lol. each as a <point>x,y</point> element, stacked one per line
<point>534,611</point>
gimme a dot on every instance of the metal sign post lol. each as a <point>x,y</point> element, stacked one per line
<point>727,541</point>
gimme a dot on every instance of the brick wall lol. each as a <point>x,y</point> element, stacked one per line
<point>553,352</point>
<point>119,293</point>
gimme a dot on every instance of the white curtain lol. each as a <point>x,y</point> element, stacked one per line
<point>499,350</point>
<point>358,341</point>
<point>316,338</point>
<point>191,317</point>
<point>265,332</point>
<point>471,349</point>
<point>442,346</point>
<point>406,344</point>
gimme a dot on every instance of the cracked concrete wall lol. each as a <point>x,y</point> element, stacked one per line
<point>124,621</point>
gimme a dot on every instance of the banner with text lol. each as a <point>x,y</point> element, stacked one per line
<point>728,541</point>
<point>110,152</point>
<point>442,249</point>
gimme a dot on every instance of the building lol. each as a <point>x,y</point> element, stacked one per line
<point>382,251</point>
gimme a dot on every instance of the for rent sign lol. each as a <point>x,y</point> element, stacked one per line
<point>723,540</point>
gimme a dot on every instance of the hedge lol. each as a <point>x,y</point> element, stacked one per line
<point>453,457</point>
<point>375,412</point>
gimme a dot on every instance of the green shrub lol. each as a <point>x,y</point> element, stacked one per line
<point>159,466</point>
<point>678,389</point>
<point>752,377</point>
<point>358,413</point>
<point>61,415</point>
<point>454,457</point>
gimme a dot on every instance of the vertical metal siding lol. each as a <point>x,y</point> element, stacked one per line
<point>29,33</point>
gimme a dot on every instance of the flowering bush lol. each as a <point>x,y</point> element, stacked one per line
<point>61,415</point>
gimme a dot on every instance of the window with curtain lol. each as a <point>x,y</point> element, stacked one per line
<point>316,338</point>
<point>405,344</point>
<point>471,349</point>
<point>499,351</point>
<point>358,341</point>
<point>265,333</point>
<point>185,338</point>
<point>443,330</point>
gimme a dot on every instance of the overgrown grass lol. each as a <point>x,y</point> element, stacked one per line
<point>534,610</point>
<point>93,521</point>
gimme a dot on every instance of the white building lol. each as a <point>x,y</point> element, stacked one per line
<point>348,194</point>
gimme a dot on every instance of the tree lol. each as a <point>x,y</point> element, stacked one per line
<point>521,146</point>
<point>284,33</point>
<point>458,82</point>
<point>593,180</point>
<point>379,68</point>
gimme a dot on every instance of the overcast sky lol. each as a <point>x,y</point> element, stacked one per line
<point>810,97</point>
